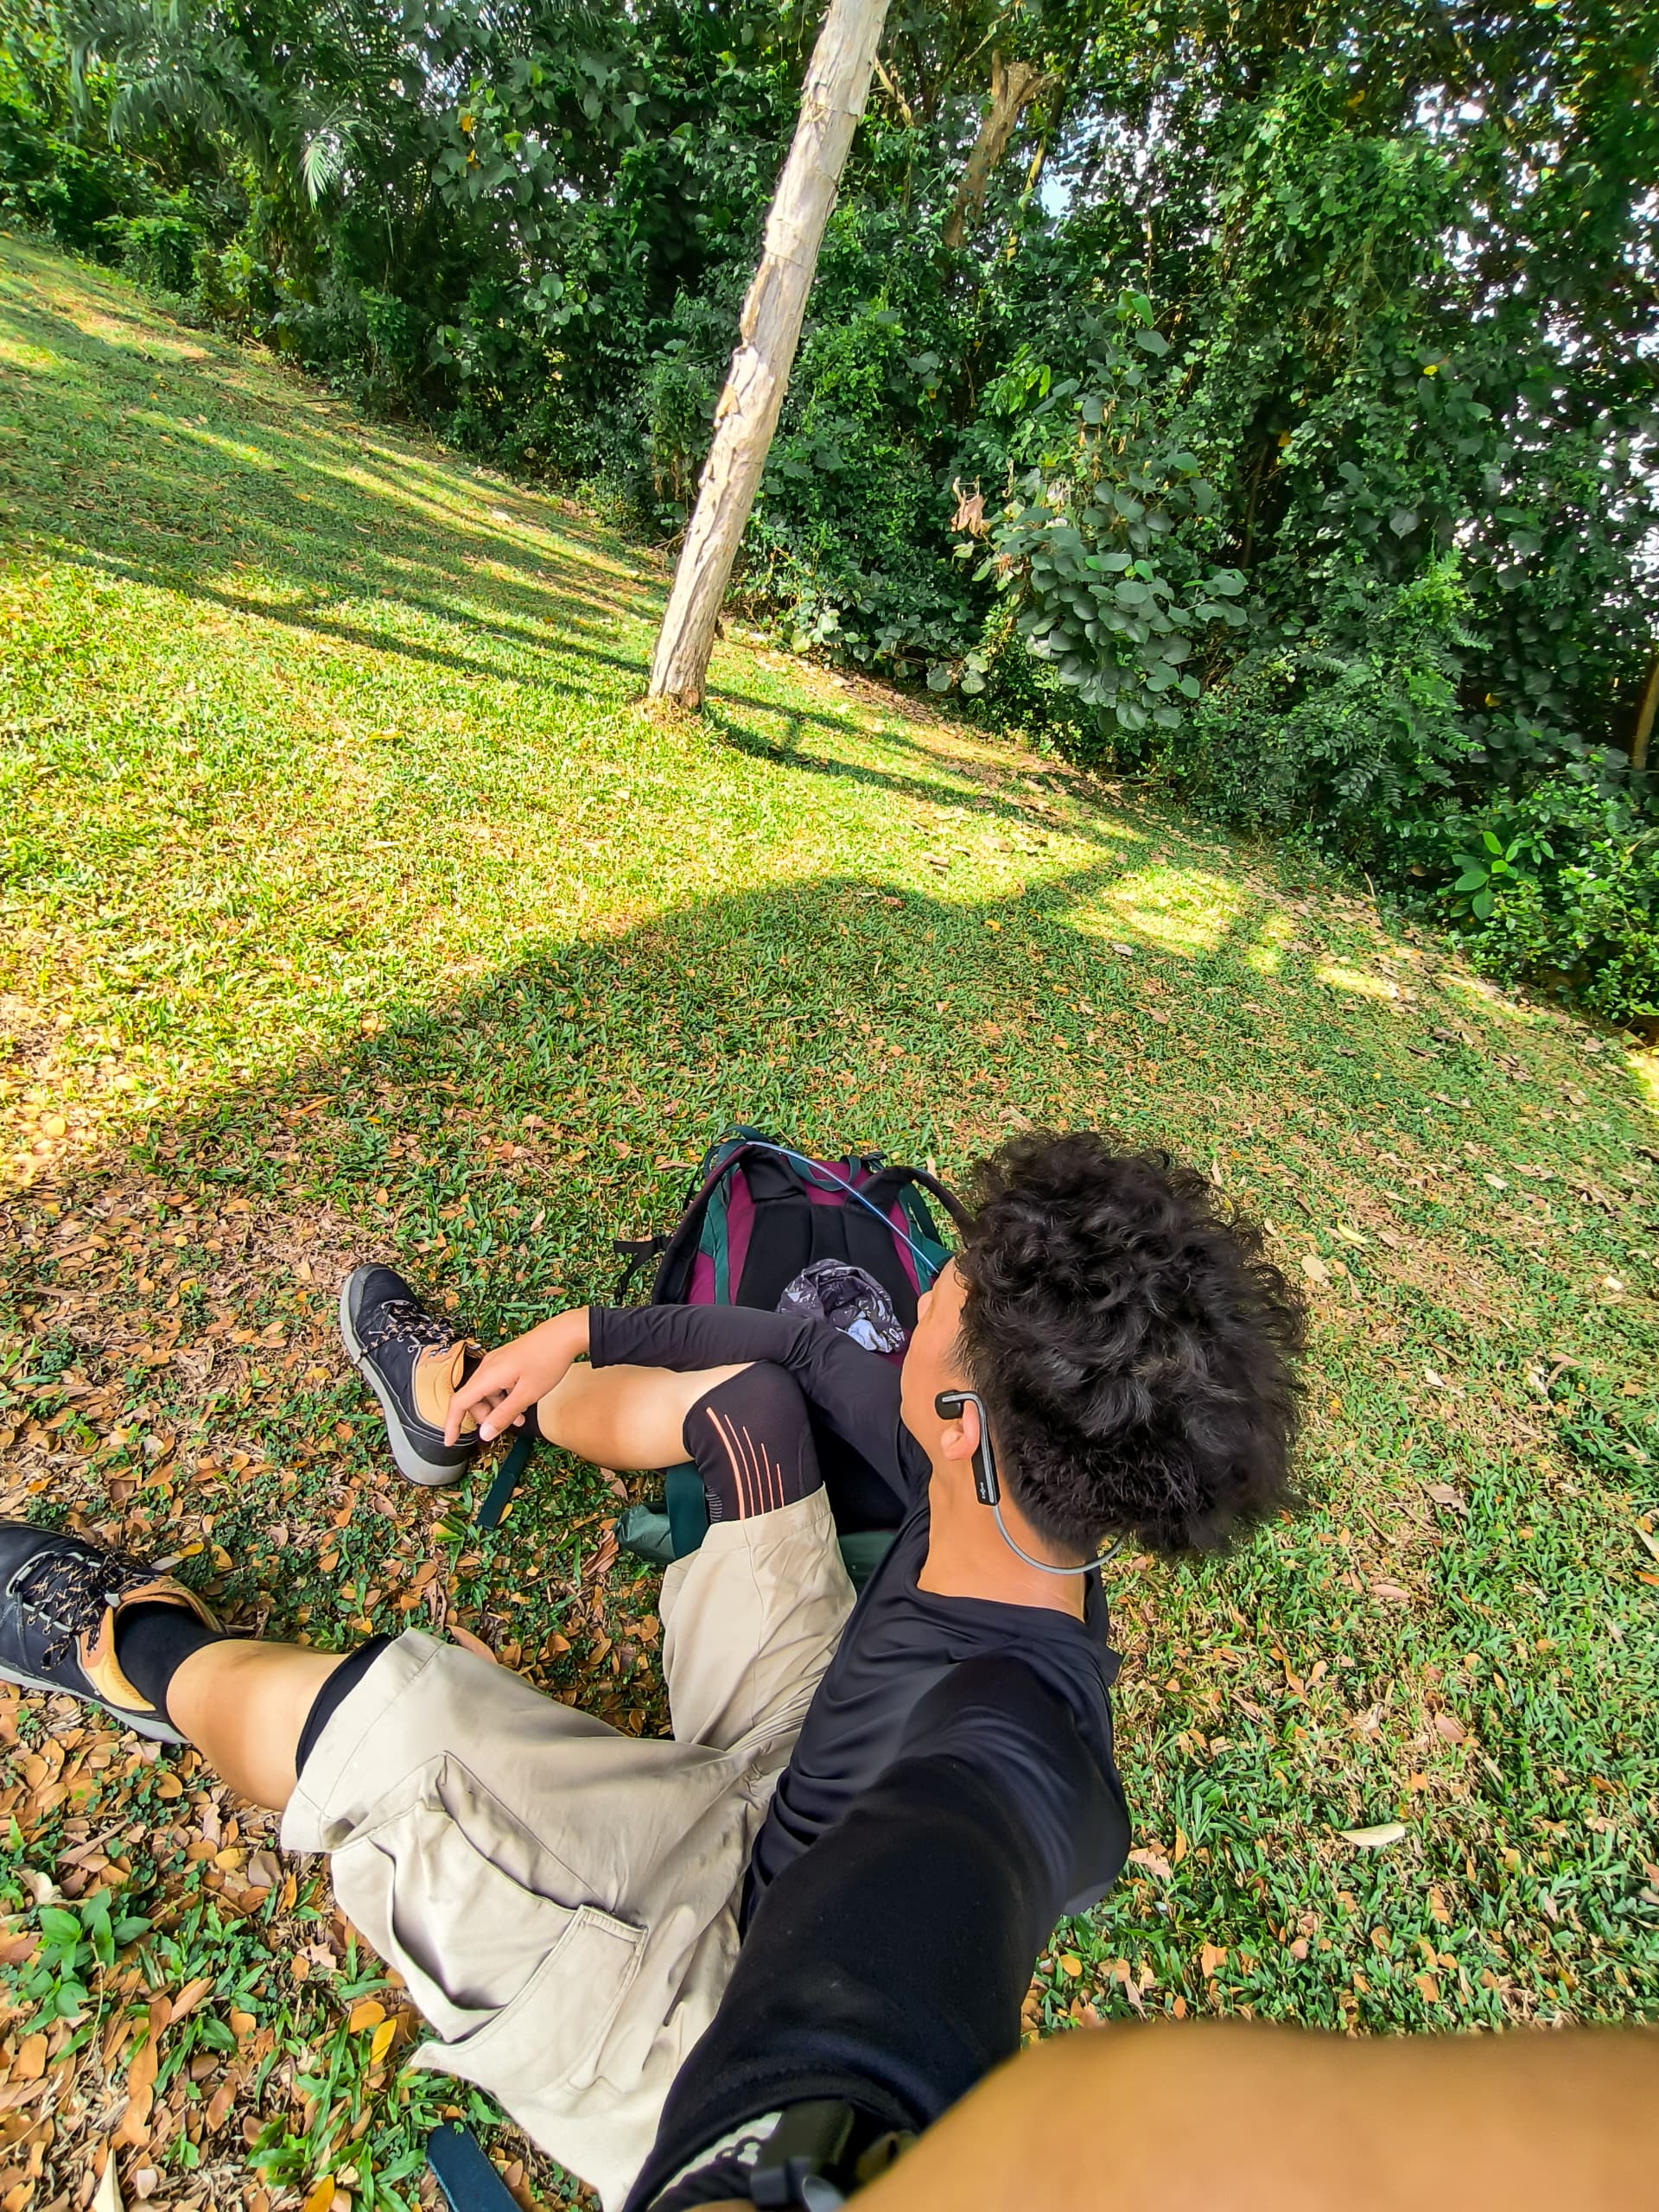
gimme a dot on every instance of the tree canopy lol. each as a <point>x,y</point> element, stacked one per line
<point>1262,397</point>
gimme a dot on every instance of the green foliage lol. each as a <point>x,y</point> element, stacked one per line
<point>1486,873</point>
<point>1349,728</point>
<point>848,542</point>
<point>1104,542</point>
<point>76,1942</point>
<point>1566,885</point>
<point>76,189</point>
<point>159,247</point>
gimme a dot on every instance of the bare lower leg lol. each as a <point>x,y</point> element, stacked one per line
<point>626,1416</point>
<point>243,1707</point>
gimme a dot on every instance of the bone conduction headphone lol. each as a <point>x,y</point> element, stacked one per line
<point>948,1405</point>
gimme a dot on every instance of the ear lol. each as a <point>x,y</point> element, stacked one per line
<point>959,1439</point>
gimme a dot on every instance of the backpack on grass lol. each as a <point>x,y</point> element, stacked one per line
<point>853,1241</point>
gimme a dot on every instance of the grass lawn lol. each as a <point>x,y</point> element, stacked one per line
<point>352,905</point>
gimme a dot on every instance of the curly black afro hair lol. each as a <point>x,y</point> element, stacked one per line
<point>1135,1347</point>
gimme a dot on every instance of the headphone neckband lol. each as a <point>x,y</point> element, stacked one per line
<point>988,1490</point>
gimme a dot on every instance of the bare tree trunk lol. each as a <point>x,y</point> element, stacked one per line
<point>1014,85</point>
<point>1644,713</point>
<point>832,100</point>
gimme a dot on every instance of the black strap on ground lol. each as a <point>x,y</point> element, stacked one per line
<point>469,2182</point>
<point>636,1251</point>
<point>508,1476</point>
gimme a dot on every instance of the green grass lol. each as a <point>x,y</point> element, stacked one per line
<point>352,903</point>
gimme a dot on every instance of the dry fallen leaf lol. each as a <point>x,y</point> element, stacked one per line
<point>321,2195</point>
<point>106,2197</point>
<point>1314,1267</point>
<point>1069,1963</point>
<point>141,2079</point>
<point>1155,1862</point>
<point>190,1996</point>
<point>1374,1838</point>
<point>382,2041</point>
<point>475,1645</point>
<point>367,2012</point>
<point>1212,1958</point>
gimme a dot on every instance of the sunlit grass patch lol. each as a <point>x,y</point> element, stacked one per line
<point>1275,933</point>
<point>1485,998</point>
<point>1342,977</point>
<point>1178,909</point>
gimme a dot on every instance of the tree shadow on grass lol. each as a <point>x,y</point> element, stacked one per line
<point>180,473</point>
<point>182,1390</point>
<point>787,750</point>
<point>494,1143</point>
<point>280,505</point>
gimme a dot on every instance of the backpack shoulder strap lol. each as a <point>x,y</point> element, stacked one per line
<point>947,1197</point>
<point>675,1253</point>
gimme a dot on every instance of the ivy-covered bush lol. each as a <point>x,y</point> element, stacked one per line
<point>1348,727</point>
<point>1108,543</point>
<point>1562,883</point>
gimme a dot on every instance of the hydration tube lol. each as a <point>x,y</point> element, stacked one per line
<point>816,1169</point>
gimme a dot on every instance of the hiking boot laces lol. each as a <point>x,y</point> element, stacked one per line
<point>403,1321</point>
<point>70,1594</point>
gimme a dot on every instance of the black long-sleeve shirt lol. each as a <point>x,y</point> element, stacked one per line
<point>900,1642</point>
<point>886,1970</point>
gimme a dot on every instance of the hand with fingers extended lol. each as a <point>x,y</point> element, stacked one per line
<point>507,1381</point>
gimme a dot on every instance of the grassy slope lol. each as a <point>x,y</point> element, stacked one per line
<point>352,904</point>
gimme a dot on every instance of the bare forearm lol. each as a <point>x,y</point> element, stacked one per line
<point>507,1381</point>
<point>1234,2118</point>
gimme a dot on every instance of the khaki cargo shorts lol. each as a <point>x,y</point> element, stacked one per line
<point>562,1898</point>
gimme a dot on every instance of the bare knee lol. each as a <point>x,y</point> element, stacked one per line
<point>623,1416</point>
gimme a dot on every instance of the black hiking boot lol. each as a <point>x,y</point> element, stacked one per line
<point>413,1362</point>
<point>59,1599</point>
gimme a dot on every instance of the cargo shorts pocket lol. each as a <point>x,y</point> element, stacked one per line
<point>488,1928</point>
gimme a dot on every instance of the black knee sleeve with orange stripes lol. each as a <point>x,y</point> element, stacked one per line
<point>751,1440</point>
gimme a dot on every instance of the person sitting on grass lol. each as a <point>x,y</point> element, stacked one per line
<point>860,2028</point>
<point>565,1902</point>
